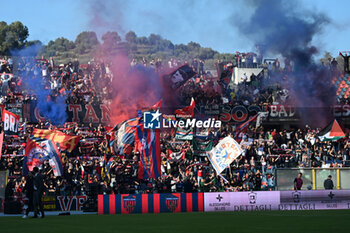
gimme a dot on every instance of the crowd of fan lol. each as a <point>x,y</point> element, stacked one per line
<point>265,149</point>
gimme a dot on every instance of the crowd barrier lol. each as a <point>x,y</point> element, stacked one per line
<point>150,203</point>
<point>224,201</point>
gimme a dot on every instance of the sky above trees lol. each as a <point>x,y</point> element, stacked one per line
<point>210,23</point>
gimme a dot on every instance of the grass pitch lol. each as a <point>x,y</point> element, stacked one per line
<point>250,222</point>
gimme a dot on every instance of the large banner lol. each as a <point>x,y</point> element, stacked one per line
<point>224,201</point>
<point>237,113</point>
<point>241,201</point>
<point>277,200</point>
<point>95,113</point>
<point>227,113</point>
<point>315,200</point>
<point>150,203</point>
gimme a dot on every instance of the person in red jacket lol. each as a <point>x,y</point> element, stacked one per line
<point>298,182</point>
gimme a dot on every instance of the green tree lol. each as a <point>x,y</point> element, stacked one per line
<point>142,40</point>
<point>130,37</point>
<point>58,46</point>
<point>193,46</point>
<point>110,40</point>
<point>61,45</point>
<point>154,39</point>
<point>180,50</point>
<point>206,53</point>
<point>12,36</point>
<point>86,41</point>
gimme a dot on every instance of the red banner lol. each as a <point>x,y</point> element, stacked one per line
<point>11,122</point>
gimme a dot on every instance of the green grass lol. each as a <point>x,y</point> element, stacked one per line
<point>251,222</point>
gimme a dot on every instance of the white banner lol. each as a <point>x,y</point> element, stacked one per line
<point>277,200</point>
<point>242,201</point>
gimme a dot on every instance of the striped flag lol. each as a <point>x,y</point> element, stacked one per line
<point>147,143</point>
<point>242,128</point>
<point>150,203</point>
<point>184,133</point>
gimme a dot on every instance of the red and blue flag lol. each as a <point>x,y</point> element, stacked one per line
<point>122,137</point>
<point>39,150</point>
<point>242,128</point>
<point>147,143</point>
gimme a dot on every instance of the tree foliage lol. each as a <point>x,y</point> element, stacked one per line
<point>111,39</point>
<point>12,37</point>
<point>86,41</point>
<point>130,37</point>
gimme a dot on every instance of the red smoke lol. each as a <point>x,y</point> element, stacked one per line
<point>134,88</point>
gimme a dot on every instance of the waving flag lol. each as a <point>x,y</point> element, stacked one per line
<point>147,143</point>
<point>47,145</point>
<point>178,77</point>
<point>331,132</point>
<point>64,141</point>
<point>223,154</point>
<point>242,128</point>
<point>176,156</point>
<point>39,150</point>
<point>157,105</point>
<point>122,137</point>
<point>186,111</point>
